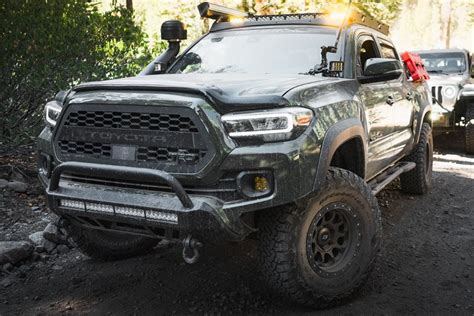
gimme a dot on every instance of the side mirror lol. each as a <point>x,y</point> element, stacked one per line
<point>382,69</point>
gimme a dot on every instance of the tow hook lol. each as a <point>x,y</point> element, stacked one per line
<point>191,249</point>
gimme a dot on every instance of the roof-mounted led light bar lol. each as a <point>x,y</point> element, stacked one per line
<point>219,13</point>
<point>354,16</point>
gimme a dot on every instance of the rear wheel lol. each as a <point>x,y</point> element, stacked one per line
<point>321,251</point>
<point>469,137</point>
<point>418,180</point>
<point>104,245</point>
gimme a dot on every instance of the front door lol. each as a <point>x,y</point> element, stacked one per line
<point>376,97</point>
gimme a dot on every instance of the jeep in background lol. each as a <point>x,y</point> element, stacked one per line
<point>286,126</point>
<point>451,74</point>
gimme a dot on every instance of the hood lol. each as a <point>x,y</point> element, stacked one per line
<point>228,92</point>
<point>448,79</point>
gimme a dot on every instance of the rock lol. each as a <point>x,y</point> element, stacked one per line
<point>36,238</point>
<point>52,233</point>
<point>6,282</point>
<point>8,267</point>
<point>16,175</point>
<point>39,249</point>
<point>62,249</point>
<point>3,183</point>
<point>49,246</point>
<point>5,172</point>
<point>41,243</point>
<point>14,251</point>
<point>17,186</point>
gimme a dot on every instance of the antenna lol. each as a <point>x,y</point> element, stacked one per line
<point>342,24</point>
<point>322,68</point>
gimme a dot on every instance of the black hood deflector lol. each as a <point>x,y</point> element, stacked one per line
<point>226,92</point>
<point>223,103</point>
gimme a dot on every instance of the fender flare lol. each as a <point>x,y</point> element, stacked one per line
<point>335,136</point>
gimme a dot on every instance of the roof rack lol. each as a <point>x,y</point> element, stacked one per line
<point>222,14</point>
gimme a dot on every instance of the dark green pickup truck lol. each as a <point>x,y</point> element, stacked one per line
<point>262,128</point>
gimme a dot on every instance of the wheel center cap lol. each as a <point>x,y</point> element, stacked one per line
<point>324,235</point>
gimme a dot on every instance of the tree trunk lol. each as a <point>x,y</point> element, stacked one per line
<point>129,5</point>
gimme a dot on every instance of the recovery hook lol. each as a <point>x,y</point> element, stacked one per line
<point>191,249</point>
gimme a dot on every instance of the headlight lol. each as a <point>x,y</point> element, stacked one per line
<point>271,125</point>
<point>449,92</point>
<point>52,110</point>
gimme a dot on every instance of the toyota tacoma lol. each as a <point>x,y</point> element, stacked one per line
<point>281,128</point>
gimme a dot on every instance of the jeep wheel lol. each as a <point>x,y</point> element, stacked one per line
<point>418,180</point>
<point>469,137</point>
<point>320,251</point>
<point>103,245</point>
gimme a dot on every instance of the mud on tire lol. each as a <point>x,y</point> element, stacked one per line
<point>418,180</point>
<point>298,243</point>
<point>107,246</point>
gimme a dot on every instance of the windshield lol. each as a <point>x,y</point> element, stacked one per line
<point>259,50</point>
<point>444,62</point>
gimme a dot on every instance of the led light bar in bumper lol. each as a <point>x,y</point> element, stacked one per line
<point>110,209</point>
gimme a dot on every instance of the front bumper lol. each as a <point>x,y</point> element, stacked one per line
<point>157,214</point>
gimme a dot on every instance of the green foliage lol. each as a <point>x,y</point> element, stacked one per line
<point>51,45</point>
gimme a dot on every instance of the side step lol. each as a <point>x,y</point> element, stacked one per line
<point>382,180</point>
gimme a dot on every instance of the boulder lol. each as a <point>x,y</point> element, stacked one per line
<point>14,251</point>
<point>62,249</point>
<point>41,243</point>
<point>52,233</point>
<point>17,186</point>
<point>16,175</point>
<point>3,183</point>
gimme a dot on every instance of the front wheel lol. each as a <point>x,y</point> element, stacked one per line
<point>321,251</point>
<point>418,180</point>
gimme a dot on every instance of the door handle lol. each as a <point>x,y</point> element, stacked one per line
<point>410,96</point>
<point>390,100</point>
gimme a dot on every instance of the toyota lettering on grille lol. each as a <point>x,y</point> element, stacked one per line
<point>120,137</point>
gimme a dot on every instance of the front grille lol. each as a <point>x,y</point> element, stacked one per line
<point>436,92</point>
<point>84,148</point>
<point>170,138</point>
<point>132,120</point>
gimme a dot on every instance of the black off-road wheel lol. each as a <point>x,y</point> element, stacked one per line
<point>469,129</point>
<point>319,251</point>
<point>418,180</point>
<point>106,246</point>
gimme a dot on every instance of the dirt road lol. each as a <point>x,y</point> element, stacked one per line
<point>426,266</point>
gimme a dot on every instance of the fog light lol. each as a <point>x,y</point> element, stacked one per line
<point>261,184</point>
<point>255,184</point>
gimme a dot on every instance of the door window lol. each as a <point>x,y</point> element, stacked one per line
<point>367,48</point>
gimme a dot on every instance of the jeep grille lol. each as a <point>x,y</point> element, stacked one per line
<point>173,139</point>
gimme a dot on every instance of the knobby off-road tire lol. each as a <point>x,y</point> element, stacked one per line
<point>107,246</point>
<point>469,129</point>
<point>295,242</point>
<point>418,180</point>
